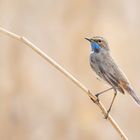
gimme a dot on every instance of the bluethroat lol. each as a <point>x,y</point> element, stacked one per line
<point>105,67</point>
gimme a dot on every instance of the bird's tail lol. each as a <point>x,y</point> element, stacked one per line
<point>133,94</point>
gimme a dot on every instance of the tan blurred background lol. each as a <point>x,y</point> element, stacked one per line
<point>39,103</point>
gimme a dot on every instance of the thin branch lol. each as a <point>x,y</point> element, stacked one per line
<point>67,74</point>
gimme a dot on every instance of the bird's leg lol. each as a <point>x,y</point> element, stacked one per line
<point>115,93</point>
<point>97,95</point>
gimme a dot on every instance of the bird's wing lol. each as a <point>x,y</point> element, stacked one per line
<point>112,74</point>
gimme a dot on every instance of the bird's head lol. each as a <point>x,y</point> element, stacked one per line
<point>98,43</point>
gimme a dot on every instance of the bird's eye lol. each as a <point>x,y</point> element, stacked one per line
<point>99,40</point>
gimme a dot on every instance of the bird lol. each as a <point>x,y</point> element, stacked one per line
<point>104,66</point>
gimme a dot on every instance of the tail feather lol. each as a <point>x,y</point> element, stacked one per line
<point>133,94</point>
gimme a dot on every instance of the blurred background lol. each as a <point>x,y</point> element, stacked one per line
<point>37,102</point>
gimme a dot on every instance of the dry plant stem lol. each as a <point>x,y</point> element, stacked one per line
<point>67,74</point>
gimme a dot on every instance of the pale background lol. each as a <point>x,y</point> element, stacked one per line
<point>39,103</point>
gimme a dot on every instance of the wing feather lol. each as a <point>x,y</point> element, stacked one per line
<point>111,74</point>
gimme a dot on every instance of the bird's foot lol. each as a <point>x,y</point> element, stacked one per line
<point>97,95</point>
<point>96,101</point>
<point>107,114</point>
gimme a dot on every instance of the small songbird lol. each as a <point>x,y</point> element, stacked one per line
<point>105,67</point>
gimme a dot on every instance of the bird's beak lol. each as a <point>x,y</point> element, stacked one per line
<point>88,39</point>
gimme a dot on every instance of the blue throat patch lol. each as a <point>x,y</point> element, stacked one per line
<point>95,47</point>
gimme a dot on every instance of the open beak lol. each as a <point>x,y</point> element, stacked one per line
<point>88,39</point>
